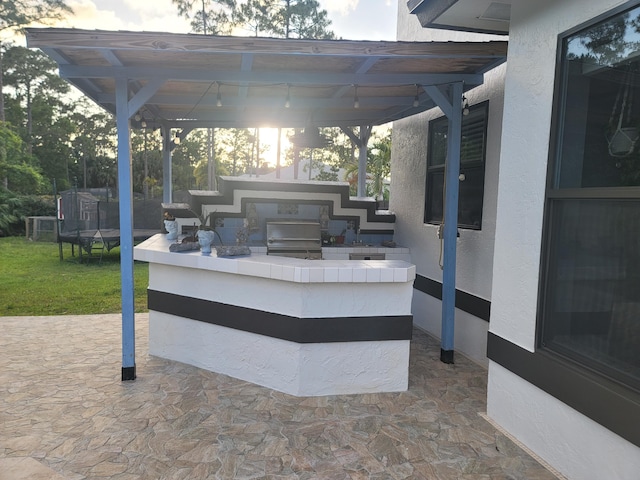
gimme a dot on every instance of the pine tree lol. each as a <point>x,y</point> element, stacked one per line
<point>16,14</point>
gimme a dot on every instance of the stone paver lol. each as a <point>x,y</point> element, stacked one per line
<point>63,406</point>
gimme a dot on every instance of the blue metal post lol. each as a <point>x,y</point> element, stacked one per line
<point>167,189</point>
<point>365,131</point>
<point>125,194</point>
<point>450,231</point>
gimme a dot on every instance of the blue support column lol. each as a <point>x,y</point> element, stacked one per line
<point>167,175</point>
<point>449,100</point>
<point>125,194</point>
<point>450,230</point>
<point>365,133</point>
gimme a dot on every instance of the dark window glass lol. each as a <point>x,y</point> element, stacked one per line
<point>472,160</point>
<point>592,309</point>
<point>590,304</point>
<point>600,131</point>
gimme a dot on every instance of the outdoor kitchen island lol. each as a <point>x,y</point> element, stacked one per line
<point>303,327</point>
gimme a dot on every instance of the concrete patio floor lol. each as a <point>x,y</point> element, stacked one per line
<point>65,414</point>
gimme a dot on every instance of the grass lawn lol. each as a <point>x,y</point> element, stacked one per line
<point>33,281</point>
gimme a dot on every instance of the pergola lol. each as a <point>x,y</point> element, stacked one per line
<point>178,82</point>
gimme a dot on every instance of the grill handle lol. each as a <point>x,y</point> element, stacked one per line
<point>272,240</point>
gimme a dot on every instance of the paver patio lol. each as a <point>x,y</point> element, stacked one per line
<point>65,414</point>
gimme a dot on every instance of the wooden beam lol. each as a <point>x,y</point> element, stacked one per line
<point>268,77</point>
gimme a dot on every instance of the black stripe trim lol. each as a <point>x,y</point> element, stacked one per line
<point>299,330</point>
<point>466,302</point>
<point>606,402</point>
<point>228,185</point>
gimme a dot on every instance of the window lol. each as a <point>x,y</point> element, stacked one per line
<point>590,295</point>
<point>472,155</point>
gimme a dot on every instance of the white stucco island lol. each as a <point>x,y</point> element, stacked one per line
<point>303,327</point>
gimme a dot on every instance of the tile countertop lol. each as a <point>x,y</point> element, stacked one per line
<point>156,250</point>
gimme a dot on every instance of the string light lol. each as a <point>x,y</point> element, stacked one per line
<point>176,139</point>
<point>287,104</point>
<point>465,108</point>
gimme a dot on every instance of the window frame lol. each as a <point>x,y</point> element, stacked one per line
<point>477,166</point>
<point>557,196</point>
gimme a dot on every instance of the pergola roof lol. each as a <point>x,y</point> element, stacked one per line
<point>174,79</point>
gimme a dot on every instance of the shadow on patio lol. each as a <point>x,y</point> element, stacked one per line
<point>64,408</point>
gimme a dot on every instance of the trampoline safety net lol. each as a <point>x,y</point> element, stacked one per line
<point>88,215</point>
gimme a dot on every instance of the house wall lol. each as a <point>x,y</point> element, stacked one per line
<point>501,263</point>
<point>574,444</point>
<point>475,247</point>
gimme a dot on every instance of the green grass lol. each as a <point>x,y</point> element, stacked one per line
<point>33,281</point>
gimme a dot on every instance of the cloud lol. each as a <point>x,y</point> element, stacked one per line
<point>342,7</point>
<point>88,16</point>
<point>158,16</point>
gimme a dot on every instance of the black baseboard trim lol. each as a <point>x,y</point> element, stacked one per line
<point>128,373</point>
<point>604,401</point>
<point>476,306</point>
<point>293,329</point>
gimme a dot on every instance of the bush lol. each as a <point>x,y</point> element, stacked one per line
<point>14,209</point>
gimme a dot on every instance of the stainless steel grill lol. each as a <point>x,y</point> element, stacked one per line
<point>300,239</point>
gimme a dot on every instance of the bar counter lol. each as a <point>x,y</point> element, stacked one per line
<point>303,327</point>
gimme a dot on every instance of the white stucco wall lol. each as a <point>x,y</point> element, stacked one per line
<point>575,445</point>
<point>408,164</point>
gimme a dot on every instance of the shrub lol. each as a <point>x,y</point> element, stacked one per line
<point>14,209</point>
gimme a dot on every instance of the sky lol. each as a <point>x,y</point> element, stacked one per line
<point>351,19</point>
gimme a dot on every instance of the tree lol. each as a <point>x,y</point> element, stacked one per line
<point>35,106</point>
<point>211,17</point>
<point>254,16</point>
<point>94,148</point>
<point>236,151</point>
<point>378,168</point>
<point>189,161</point>
<point>16,14</point>
<point>17,168</point>
<point>300,19</point>
<point>53,152</point>
<point>33,77</point>
<point>284,19</point>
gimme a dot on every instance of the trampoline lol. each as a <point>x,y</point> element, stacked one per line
<point>89,219</point>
